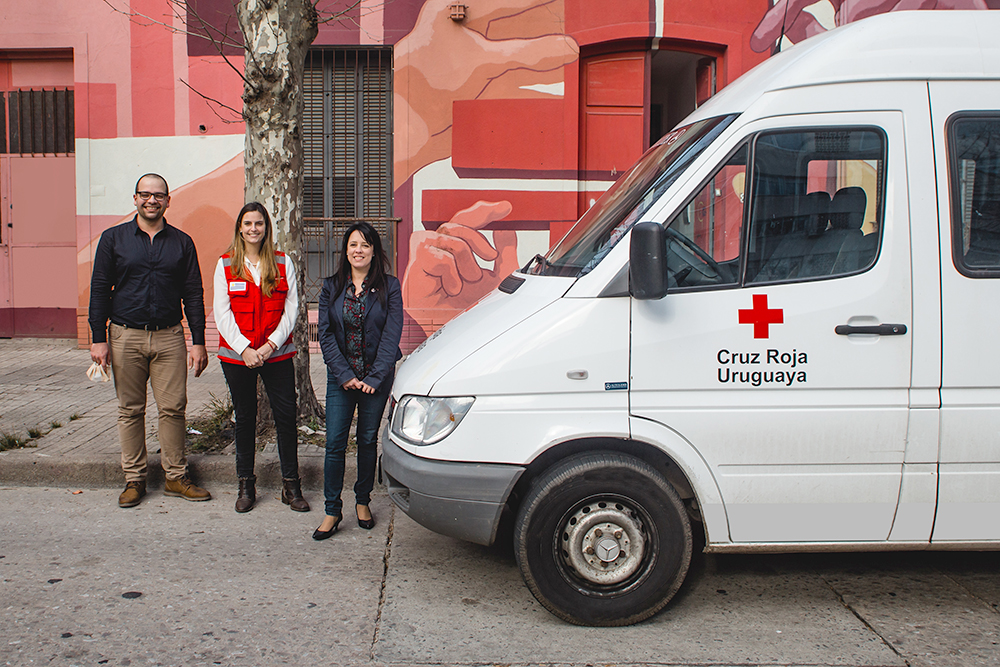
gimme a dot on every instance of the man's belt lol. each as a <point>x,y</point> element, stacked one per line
<point>146,327</point>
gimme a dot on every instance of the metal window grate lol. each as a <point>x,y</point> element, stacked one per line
<point>347,151</point>
<point>347,133</point>
<point>40,122</point>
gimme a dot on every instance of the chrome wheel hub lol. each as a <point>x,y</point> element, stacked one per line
<point>603,542</point>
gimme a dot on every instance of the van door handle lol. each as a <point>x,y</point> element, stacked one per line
<point>878,330</point>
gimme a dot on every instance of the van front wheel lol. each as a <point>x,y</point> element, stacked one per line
<point>603,539</point>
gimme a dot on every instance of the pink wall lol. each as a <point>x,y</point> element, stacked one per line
<point>132,77</point>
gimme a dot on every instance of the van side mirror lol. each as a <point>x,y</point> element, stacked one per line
<point>648,261</point>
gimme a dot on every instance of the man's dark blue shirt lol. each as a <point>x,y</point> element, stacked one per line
<point>140,282</point>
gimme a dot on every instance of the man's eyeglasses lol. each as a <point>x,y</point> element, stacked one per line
<point>158,196</point>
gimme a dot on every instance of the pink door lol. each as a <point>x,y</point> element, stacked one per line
<point>41,228</point>
<point>38,267</point>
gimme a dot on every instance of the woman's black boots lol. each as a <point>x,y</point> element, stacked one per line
<point>291,495</point>
<point>248,494</point>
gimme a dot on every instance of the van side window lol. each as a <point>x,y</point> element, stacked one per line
<point>703,238</point>
<point>816,204</point>
<point>974,152</point>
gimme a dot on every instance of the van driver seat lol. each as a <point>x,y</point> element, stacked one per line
<point>847,215</point>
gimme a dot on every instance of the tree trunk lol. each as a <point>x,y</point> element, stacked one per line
<point>277,35</point>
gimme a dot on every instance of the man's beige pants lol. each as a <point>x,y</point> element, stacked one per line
<point>159,357</point>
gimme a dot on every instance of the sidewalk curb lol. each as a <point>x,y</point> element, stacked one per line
<point>25,467</point>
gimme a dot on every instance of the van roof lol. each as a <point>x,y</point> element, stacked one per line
<point>914,45</point>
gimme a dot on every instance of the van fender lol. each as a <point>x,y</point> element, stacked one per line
<point>697,470</point>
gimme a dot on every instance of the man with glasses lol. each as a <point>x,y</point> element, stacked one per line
<point>143,270</point>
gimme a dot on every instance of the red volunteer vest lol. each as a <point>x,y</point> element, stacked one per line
<point>256,315</point>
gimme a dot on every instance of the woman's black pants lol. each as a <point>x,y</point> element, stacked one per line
<point>279,383</point>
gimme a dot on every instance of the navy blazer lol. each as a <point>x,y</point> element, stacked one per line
<point>383,330</point>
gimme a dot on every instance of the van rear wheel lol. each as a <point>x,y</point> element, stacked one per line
<point>603,539</point>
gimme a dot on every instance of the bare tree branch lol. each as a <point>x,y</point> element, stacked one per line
<point>215,101</point>
<point>337,15</point>
<point>174,4</point>
<point>218,45</point>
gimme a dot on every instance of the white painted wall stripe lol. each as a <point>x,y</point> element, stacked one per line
<point>113,165</point>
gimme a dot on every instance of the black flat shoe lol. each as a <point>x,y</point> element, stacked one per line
<point>323,534</point>
<point>367,524</point>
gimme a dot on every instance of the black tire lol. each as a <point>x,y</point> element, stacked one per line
<point>634,523</point>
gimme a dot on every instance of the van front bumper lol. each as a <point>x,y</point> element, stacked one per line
<point>462,500</point>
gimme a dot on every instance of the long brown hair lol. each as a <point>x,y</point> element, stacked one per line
<point>237,251</point>
<point>380,261</point>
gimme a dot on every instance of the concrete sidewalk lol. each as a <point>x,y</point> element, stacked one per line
<point>43,386</point>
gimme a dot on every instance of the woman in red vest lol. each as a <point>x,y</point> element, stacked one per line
<point>256,304</point>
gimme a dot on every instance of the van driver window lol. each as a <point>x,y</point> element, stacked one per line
<point>816,204</point>
<point>974,151</point>
<point>703,238</point>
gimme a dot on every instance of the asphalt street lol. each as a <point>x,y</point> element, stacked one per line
<point>83,582</point>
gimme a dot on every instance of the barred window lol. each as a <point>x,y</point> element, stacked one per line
<point>37,122</point>
<point>347,148</point>
<point>347,133</point>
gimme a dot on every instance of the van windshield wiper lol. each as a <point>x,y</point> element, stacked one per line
<point>539,259</point>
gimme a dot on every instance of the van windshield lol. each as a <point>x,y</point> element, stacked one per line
<point>611,216</point>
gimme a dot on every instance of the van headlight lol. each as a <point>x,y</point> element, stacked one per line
<point>424,420</point>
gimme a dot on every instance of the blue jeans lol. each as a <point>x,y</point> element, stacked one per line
<point>340,406</point>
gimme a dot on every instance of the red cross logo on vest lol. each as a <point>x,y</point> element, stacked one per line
<point>760,316</point>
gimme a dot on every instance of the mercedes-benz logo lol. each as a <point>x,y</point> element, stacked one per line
<point>608,549</point>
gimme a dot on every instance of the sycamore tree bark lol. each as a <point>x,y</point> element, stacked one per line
<point>277,35</point>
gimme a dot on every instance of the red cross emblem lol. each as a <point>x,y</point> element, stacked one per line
<point>760,316</point>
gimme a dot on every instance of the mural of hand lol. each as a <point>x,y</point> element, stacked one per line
<point>443,271</point>
<point>799,24</point>
<point>441,61</point>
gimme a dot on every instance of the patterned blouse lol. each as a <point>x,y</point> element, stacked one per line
<point>354,329</point>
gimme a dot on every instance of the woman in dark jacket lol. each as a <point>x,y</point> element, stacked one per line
<point>360,325</point>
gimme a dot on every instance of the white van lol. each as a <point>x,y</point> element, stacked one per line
<point>776,326</point>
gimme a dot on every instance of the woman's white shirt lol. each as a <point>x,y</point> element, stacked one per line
<point>226,323</point>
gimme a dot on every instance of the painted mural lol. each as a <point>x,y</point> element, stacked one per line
<point>791,21</point>
<point>510,117</point>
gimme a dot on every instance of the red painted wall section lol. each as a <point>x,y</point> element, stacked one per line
<point>529,210</point>
<point>96,107</point>
<point>212,24</point>
<point>726,23</point>
<point>214,78</point>
<point>595,21</point>
<point>342,24</point>
<point>343,21</point>
<point>512,138</point>
<point>517,20</point>
<point>153,79</point>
